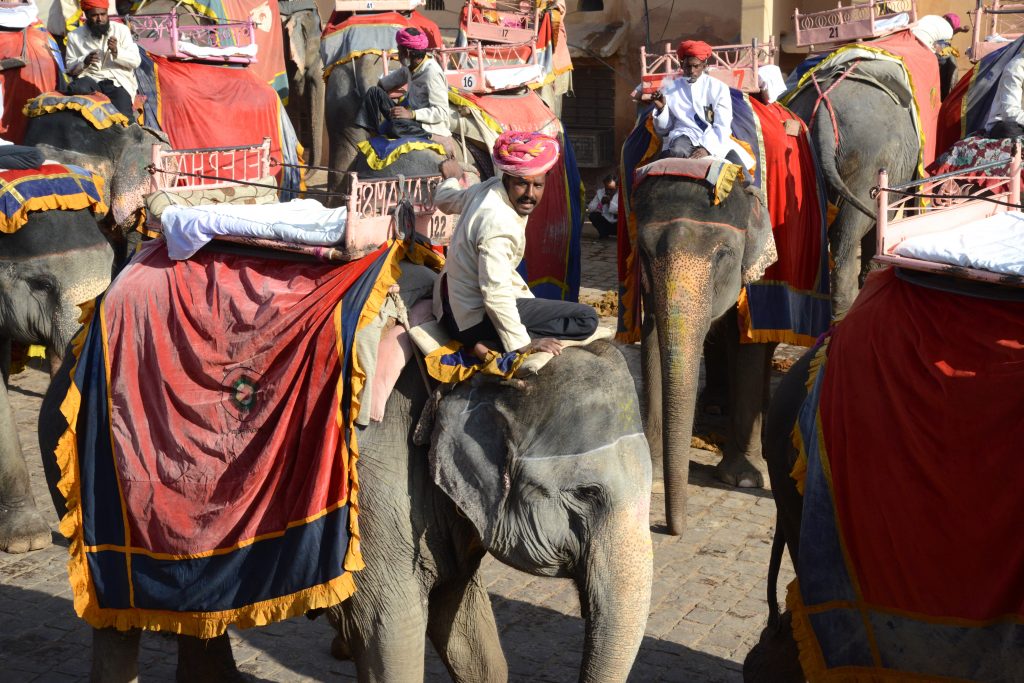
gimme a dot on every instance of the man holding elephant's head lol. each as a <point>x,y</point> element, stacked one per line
<point>480,297</point>
<point>424,112</point>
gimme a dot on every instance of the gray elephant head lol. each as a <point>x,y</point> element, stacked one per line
<point>305,75</point>
<point>55,262</point>
<point>695,256</point>
<point>121,155</point>
<point>554,473</point>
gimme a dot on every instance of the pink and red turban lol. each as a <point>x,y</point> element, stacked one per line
<point>87,5</point>
<point>694,48</point>
<point>525,154</point>
<point>411,41</point>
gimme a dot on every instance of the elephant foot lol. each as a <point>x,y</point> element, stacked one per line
<point>22,528</point>
<point>339,648</point>
<point>775,658</point>
<point>739,472</point>
<point>208,661</point>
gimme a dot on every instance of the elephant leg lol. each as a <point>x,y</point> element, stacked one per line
<point>21,526</point>
<point>714,398</point>
<point>207,661</point>
<point>845,236</point>
<point>461,627</point>
<point>651,366</point>
<point>115,655</point>
<point>749,377</point>
<point>383,628</point>
<point>775,658</point>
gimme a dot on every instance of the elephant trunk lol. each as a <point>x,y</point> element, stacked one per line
<point>615,592</point>
<point>316,104</point>
<point>682,325</point>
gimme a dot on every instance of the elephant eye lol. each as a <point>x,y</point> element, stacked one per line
<point>41,284</point>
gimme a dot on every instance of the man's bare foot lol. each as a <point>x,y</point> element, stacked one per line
<point>481,351</point>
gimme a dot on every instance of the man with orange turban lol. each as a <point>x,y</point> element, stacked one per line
<point>693,112</point>
<point>480,297</point>
<point>102,57</point>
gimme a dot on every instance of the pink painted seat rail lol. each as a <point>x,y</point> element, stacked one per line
<point>852,23</point>
<point>502,21</point>
<point>160,34</point>
<point>371,203</point>
<point>482,69</point>
<point>734,65</point>
<point>997,20</point>
<point>956,201</point>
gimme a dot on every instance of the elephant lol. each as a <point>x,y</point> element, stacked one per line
<point>306,84</point>
<point>550,486</point>
<point>693,264</point>
<point>56,261</point>
<point>121,155</point>
<point>850,153</point>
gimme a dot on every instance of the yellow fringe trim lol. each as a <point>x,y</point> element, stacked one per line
<point>748,335</point>
<point>458,100</point>
<point>377,164</point>
<point>726,180</point>
<point>32,110</point>
<point>14,222</point>
<point>356,55</point>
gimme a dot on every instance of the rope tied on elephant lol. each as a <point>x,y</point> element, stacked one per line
<point>823,97</point>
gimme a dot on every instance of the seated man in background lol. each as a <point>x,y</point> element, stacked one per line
<point>1008,114</point>
<point>102,57</point>
<point>693,112</point>
<point>604,208</point>
<point>425,112</point>
<point>480,297</point>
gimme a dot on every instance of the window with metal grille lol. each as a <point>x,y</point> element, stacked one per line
<point>589,116</point>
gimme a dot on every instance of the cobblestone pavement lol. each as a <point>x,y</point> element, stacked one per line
<point>707,609</point>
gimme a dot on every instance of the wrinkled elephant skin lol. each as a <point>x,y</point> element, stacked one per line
<point>54,262</point>
<point>305,80</point>
<point>694,258</point>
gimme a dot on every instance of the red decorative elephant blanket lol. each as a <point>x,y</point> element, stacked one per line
<point>911,563</point>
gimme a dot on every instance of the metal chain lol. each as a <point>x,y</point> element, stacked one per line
<point>275,162</point>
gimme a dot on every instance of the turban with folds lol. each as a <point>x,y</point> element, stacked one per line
<point>411,41</point>
<point>694,48</point>
<point>87,5</point>
<point>525,154</point>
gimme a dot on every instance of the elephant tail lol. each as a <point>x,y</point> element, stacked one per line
<point>774,565</point>
<point>826,140</point>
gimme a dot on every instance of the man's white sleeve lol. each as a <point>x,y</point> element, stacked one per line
<point>1010,93</point>
<point>393,79</point>
<point>128,56</point>
<point>76,53</point>
<point>437,96</point>
<point>449,196</point>
<point>613,206</point>
<point>662,120</point>
<point>595,203</point>
<point>495,267</point>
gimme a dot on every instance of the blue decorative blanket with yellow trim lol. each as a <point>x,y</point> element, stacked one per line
<point>380,152</point>
<point>226,492</point>
<point>51,186</point>
<point>95,108</point>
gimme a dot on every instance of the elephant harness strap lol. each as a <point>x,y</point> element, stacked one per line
<point>823,97</point>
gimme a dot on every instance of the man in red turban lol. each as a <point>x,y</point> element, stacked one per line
<point>102,57</point>
<point>693,112</point>
<point>425,113</point>
<point>480,297</point>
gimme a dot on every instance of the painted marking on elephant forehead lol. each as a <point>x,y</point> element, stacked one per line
<point>674,222</point>
<point>600,450</point>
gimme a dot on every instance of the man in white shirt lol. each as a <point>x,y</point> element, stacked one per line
<point>102,57</point>
<point>426,111</point>
<point>603,209</point>
<point>693,112</point>
<point>1007,119</point>
<point>480,297</point>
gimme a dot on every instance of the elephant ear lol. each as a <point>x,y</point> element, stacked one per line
<point>296,43</point>
<point>759,249</point>
<point>469,454</point>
